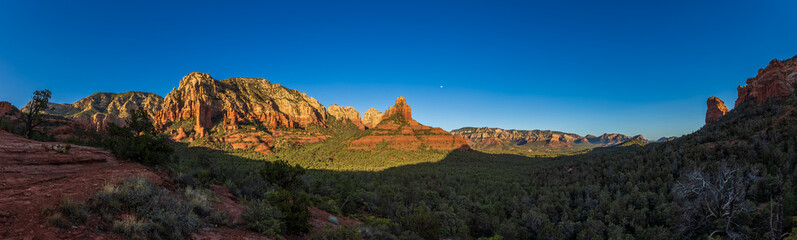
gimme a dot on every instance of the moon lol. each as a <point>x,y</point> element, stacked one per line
<point>441,86</point>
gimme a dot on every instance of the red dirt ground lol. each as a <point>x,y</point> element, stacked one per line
<point>34,175</point>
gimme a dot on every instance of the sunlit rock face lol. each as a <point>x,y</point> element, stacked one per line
<point>715,109</point>
<point>253,100</point>
<point>776,80</point>
<point>398,130</point>
<point>346,114</point>
<point>99,109</point>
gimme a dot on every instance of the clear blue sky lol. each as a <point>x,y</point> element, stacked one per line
<point>587,67</point>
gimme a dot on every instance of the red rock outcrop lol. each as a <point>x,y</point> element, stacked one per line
<point>7,108</point>
<point>346,113</point>
<point>776,80</point>
<point>231,120</point>
<point>372,117</point>
<point>400,108</point>
<point>716,109</point>
<point>398,130</point>
<point>179,134</point>
<point>257,100</point>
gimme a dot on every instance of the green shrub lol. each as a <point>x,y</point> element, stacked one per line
<point>282,174</point>
<point>147,148</point>
<point>261,217</point>
<point>293,206</point>
<point>341,233</point>
<point>423,223</point>
<point>138,141</point>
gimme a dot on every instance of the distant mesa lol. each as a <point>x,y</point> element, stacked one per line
<point>485,138</point>
<point>776,80</point>
<point>716,109</point>
<point>397,130</point>
<point>666,139</point>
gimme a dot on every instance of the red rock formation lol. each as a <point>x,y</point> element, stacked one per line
<point>231,120</point>
<point>253,100</point>
<point>180,134</point>
<point>776,80</point>
<point>99,109</point>
<point>203,118</point>
<point>346,114</point>
<point>400,108</point>
<point>716,109</point>
<point>398,130</point>
<point>7,108</point>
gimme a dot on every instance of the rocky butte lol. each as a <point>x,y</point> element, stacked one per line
<point>398,130</point>
<point>716,109</point>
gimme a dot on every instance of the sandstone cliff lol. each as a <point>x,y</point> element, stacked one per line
<point>776,80</point>
<point>398,130</point>
<point>97,110</point>
<point>346,114</point>
<point>372,117</point>
<point>716,109</point>
<point>252,100</point>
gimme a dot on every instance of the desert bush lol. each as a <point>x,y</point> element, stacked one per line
<point>263,218</point>
<point>69,212</point>
<point>158,213</point>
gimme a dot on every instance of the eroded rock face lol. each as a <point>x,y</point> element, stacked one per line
<point>97,110</point>
<point>716,109</point>
<point>397,130</point>
<point>346,113</point>
<point>776,80</point>
<point>372,117</point>
<point>254,100</point>
<point>496,138</point>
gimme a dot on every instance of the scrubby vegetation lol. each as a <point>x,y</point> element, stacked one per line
<point>137,209</point>
<point>138,141</point>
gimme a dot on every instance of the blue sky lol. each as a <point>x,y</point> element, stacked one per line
<point>587,67</point>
